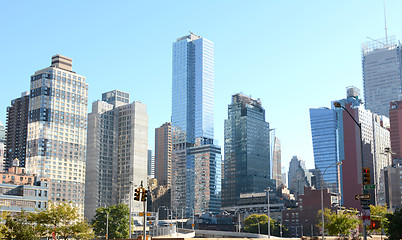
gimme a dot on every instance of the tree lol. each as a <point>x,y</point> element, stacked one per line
<point>394,225</point>
<point>379,213</point>
<point>19,226</point>
<point>62,219</point>
<point>118,221</point>
<point>339,223</point>
<point>251,225</point>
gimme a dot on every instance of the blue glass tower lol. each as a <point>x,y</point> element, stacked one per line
<point>324,131</point>
<point>193,87</point>
<point>194,153</point>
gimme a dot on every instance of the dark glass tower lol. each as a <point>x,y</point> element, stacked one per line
<point>247,150</point>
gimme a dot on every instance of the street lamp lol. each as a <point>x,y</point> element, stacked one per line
<point>338,105</point>
<point>269,213</point>
<point>322,196</point>
<point>107,223</point>
<point>130,203</point>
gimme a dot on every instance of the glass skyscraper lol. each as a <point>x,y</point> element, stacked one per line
<point>324,132</point>
<point>247,150</point>
<point>193,127</point>
<point>382,74</point>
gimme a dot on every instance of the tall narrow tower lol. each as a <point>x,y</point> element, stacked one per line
<point>193,126</point>
<point>57,130</point>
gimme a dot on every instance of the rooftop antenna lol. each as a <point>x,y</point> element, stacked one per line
<point>385,20</point>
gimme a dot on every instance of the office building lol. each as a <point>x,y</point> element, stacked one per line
<point>276,162</point>
<point>192,119</point>
<point>391,186</point>
<point>324,133</point>
<point>57,129</point>
<point>2,133</point>
<point>299,176</point>
<point>395,117</point>
<point>382,74</point>
<point>375,139</point>
<point>20,191</point>
<point>151,165</point>
<point>17,131</point>
<point>247,150</point>
<point>117,156</point>
<point>163,154</point>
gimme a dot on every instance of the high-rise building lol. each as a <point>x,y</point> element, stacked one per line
<point>392,186</point>
<point>57,130</point>
<point>395,117</point>
<point>17,131</point>
<point>247,150</point>
<point>324,132</point>
<point>276,162</point>
<point>382,74</point>
<point>151,165</point>
<point>193,123</point>
<point>117,155</point>
<point>298,176</point>
<point>2,133</point>
<point>163,154</point>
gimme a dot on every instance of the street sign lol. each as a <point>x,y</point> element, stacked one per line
<point>362,196</point>
<point>368,187</point>
<point>366,216</point>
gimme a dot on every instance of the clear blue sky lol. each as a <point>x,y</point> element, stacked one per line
<point>293,55</point>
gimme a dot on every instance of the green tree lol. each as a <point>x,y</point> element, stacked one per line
<point>339,223</point>
<point>19,226</point>
<point>62,219</point>
<point>394,225</point>
<point>118,221</point>
<point>379,213</point>
<point>251,225</point>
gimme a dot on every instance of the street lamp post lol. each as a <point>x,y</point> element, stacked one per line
<point>322,196</point>
<point>269,213</point>
<point>338,105</point>
<point>129,201</point>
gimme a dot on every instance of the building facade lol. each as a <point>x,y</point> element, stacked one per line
<point>19,191</point>
<point>247,150</point>
<point>375,139</point>
<point>298,176</point>
<point>117,156</point>
<point>192,118</point>
<point>57,129</point>
<point>395,117</point>
<point>382,74</point>
<point>151,165</point>
<point>391,185</point>
<point>276,162</point>
<point>17,131</point>
<point>324,132</point>
<point>163,154</point>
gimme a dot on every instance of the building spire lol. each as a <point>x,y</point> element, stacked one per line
<point>385,22</point>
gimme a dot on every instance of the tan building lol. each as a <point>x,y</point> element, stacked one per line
<point>163,154</point>
<point>57,130</point>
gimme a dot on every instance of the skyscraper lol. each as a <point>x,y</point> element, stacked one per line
<point>193,124</point>
<point>382,74</point>
<point>151,165</point>
<point>117,155</point>
<point>57,129</point>
<point>298,176</point>
<point>324,133</point>
<point>395,117</point>
<point>247,150</point>
<point>17,131</point>
<point>276,162</point>
<point>163,154</point>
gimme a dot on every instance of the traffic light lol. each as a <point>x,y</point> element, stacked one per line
<point>144,195</point>
<point>366,176</point>
<point>375,224</point>
<point>137,194</point>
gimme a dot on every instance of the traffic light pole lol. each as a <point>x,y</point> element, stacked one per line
<point>145,220</point>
